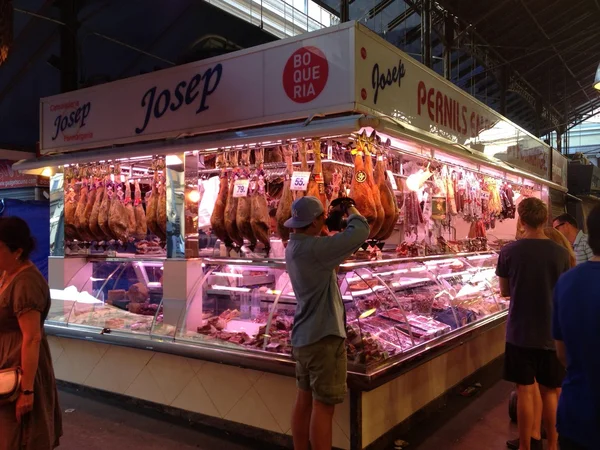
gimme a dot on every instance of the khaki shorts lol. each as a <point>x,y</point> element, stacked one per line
<point>321,368</point>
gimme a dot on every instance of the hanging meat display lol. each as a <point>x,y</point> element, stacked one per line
<point>217,219</point>
<point>316,184</point>
<point>360,190</point>
<point>259,207</point>
<point>81,204</point>
<point>104,211</point>
<point>117,215</point>
<point>71,201</point>
<point>161,212</point>
<point>232,203</point>
<point>130,213</point>
<point>302,153</point>
<point>284,208</point>
<point>84,220</point>
<point>94,225</point>
<point>369,148</point>
<point>141,225</point>
<point>244,208</point>
<point>387,197</point>
<point>152,205</point>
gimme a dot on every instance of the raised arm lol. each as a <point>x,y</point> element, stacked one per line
<point>333,250</point>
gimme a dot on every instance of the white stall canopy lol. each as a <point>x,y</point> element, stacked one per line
<point>341,70</point>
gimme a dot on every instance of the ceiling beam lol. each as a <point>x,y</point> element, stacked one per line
<point>156,41</point>
<point>558,53</point>
<point>409,11</point>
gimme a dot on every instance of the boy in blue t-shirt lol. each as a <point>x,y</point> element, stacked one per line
<point>576,328</point>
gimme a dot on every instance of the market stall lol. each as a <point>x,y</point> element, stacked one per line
<point>169,283</point>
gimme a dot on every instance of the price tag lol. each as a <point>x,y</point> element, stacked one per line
<point>392,179</point>
<point>240,188</point>
<point>299,181</point>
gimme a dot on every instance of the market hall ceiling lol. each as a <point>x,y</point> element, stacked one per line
<point>544,51</point>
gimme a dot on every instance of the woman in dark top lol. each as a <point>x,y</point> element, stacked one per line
<point>33,421</point>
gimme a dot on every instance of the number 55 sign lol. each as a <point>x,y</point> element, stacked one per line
<point>299,181</point>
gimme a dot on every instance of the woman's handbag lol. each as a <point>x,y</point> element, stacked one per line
<point>10,385</point>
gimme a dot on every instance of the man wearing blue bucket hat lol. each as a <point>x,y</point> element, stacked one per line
<point>319,333</point>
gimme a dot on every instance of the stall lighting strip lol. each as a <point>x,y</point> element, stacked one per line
<point>224,274</point>
<point>454,274</point>
<point>381,274</point>
<point>478,257</point>
<point>409,282</point>
<point>218,287</point>
<point>367,291</point>
<point>444,261</point>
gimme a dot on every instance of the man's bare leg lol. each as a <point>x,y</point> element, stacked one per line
<point>536,431</point>
<point>321,423</point>
<point>301,419</point>
<point>525,413</point>
<point>550,402</point>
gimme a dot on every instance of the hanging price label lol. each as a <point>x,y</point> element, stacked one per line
<point>392,179</point>
<point>299,181</point>
<point>240,188</point>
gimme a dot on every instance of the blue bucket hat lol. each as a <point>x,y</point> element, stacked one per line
<point>304,211</point>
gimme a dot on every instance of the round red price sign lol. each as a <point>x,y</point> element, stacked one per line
<point>305,74</point>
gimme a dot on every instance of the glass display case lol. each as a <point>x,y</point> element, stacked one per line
<point>113,296</point>
<point>394,308</point>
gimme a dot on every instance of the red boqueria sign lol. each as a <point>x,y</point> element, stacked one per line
<point>305,74</point>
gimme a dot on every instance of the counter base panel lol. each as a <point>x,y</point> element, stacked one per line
<point>391,404</point>
<point>218,395</point>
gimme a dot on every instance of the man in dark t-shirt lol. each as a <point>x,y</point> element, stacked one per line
<point>528,270</point>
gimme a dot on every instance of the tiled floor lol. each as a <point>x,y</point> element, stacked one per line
<point>482,425</point>
<point>93,425</point>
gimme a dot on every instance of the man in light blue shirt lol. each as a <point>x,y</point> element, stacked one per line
<point>568,226</point>
<point>319,333</point>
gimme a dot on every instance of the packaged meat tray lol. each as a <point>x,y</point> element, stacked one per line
<point>447,316</point>
<point>421,327</point>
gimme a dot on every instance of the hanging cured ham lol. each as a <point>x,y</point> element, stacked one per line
<point>316,184</point>
<point>71,200</point>
<point>388,199</point>
<point>378,223</point>
<point>217,219</point>
<point>152,206</point>
<point>232,205</point>
<point>161,212</point>
<point>244,209</point>
<point>302,153</point>
<point>360,190</point>
<point>80,211</point>
<point>260,208</point>
<point>84,220</point>
<point>141,225</point>
<point>105,209</point>
<point>117,215</point>
<point>284,209</point>
<point>130,213</point>
<point>94,225</point>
